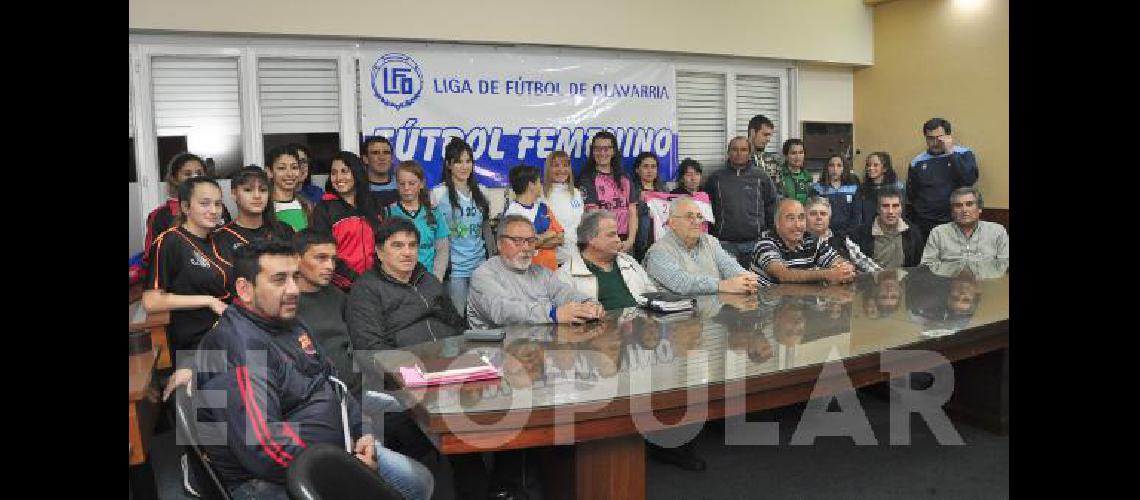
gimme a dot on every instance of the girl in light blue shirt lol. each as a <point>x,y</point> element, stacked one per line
<point>465,209</point>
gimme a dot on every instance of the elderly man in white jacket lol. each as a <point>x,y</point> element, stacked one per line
<point>599,269</point>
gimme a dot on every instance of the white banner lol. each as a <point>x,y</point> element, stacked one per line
<point>514,106</point>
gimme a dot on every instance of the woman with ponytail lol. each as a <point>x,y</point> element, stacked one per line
<point>415,205</point>
<point>465,209</point>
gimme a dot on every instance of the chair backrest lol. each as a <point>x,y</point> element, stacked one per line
<point>326,472</point>
<point>197,464</point>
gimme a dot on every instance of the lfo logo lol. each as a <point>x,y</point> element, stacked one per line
<point>397,80</point>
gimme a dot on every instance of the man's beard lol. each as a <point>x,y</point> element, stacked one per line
<point>283,323</point>
<point>521,262</point>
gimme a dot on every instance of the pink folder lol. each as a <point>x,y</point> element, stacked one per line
<point>414,377</point>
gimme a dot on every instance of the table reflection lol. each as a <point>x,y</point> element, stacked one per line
<point>783,327</point>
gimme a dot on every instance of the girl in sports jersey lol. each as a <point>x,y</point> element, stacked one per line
<point>606,186</point>
<point>647,179</point>
<point>465,208</point>
<point>349,213</point>
<point>564,199</point>
<point>183,166</point>
<point>284,169</point>
<point>186,276</point>
<point>255,219</point>
<point>415,205</point>
<point>841,188</point>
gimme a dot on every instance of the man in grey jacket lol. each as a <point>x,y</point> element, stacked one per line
<point>509,289</point>
<point>743,202</point>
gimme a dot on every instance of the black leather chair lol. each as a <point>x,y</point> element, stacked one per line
<point>326,472</point>
<point>197,475</point>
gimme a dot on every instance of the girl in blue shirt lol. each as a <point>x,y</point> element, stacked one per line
<point>465,209</point>
<point>415,205</point>
<point>841,188</point>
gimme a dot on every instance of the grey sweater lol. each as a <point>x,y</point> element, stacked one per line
<point>502,296</point>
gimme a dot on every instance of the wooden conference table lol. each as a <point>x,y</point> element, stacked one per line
<point>595,386</point>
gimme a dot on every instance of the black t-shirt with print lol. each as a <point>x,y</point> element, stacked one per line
<point>228,238</point>
<point>185,264</point>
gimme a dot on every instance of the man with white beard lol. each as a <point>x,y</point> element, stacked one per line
<point>509,289</point>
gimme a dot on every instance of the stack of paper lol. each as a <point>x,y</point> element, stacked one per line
<point>416,376</point>
<point>671,306</point>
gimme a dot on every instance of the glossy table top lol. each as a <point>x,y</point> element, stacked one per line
<point>633,352</point>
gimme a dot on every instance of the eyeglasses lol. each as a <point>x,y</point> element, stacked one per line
<point>691,217</point>
<point>960,204</point>
<point>520,240</point>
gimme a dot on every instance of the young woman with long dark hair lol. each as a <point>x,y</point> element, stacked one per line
<point>465,209</point>
<point>255,219</point>
<point>841,188</point>
<point>349,213</point>
<point>878,174</point>
<point>606,186</point>
<point>186,275</point>
<point>647,178</point>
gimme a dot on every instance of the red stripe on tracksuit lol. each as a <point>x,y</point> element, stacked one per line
<point>273,449</point>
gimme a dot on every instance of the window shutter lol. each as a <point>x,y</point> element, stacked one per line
<point>196,92</point>
<point>700,118</point>
<point>759,95</point>
<point>298,96</point>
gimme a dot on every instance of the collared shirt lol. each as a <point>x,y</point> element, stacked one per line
<point>948,243</point>
<point>888,245</point>
<point>667,269</point>
<point>863,263</point>
<point>810,254</point>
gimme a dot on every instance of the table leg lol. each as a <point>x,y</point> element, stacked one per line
<point>981,391</point>
<point>610,468</point>
<point>158,338</point>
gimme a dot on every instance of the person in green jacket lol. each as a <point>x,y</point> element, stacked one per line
<point>795,182</point>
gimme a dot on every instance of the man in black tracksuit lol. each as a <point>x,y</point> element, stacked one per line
<point>280,393</point>
<point>743,202</point>
<point>934,174</point>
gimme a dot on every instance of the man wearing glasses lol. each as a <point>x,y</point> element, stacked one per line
<point>510,289</point>
<point>942,168</point>
<point>967,238</point>
<point>687,261</point>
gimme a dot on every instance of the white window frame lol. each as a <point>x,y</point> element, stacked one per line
<point>247,50</point>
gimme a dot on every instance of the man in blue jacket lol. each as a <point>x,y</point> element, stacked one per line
<point>271,392</point>
<point>932,175</point>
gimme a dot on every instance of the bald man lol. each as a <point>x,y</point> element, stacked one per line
<point>791,254</point>
<point>687,261</point>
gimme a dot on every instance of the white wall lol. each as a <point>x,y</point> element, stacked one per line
<point>838,31</point>
<point>826,93</point>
